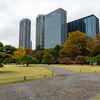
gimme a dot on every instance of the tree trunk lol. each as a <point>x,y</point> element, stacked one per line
<point>27,65</point>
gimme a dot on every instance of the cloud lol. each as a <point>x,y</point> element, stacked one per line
<point>12,11</point>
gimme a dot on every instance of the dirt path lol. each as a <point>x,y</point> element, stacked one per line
<point>66,85</point>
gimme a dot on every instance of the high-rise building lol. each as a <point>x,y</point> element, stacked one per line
<point>51,29</point>
<point>89,25</point>
<point>25,33</point>
<point>40,30</point>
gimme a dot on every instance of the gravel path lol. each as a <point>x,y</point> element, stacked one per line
<point>66,85</point>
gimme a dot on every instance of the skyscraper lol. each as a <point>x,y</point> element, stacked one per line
<point>89,25</point>
<point>40,30</point>
<point>51,29</point>
<point>25,33</point>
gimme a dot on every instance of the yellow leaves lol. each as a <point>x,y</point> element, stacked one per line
<point>75,44</point>
<point>20,52</point>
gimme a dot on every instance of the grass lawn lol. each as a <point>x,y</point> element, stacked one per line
<point>80,68</point>
<point>97,98</point>
<point>14,74</point>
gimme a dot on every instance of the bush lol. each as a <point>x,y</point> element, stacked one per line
<point>65,60</point>
<point>1,65</point>
<point>92,60</point>
<point>80,60</point>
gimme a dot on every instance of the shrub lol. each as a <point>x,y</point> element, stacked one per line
<point>92,60</point>
<point>80,60</point>
<point>65,60</point>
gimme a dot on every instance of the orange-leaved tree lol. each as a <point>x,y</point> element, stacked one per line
<point>20,52</point>
<point>75,45</point>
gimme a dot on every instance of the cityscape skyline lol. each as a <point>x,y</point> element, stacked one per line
<point>13,10</point>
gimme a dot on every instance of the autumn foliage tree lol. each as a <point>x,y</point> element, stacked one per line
<point>28,50</point>
<point>34,53</point>
<point>75,45</point>
<point>20,52</point>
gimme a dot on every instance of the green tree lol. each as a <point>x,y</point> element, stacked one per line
<point>92,60</point>
<point>1,47</point>
<point>39,48</point>
<point>8,60</point>
<point>48,59</point>
<point>1,58</point>
<point>26,59</point>
<point>1,65</point>
<point>9,49</point>
<point>1,44</point>
<point>98,57</point>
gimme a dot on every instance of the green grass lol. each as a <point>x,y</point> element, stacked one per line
<point>80,68</point>
<point>97,98</point>
<point>14,74</point>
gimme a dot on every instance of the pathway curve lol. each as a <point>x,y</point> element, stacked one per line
<point>66,85</point>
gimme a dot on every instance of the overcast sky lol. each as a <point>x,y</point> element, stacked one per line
<point>12,11</point>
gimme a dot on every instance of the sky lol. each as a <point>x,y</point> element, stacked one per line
<point>12,11</point>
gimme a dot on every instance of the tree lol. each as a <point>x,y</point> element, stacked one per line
<point>26,59</point>
<point>34,53</point>
<point>98,57</point>
<point>92,60</point>
<point>28,50</point>
<point>1,65</point>
<point>9,49</point>
<point>48,59</point>
<point>8,60</point>
<point>20,52</point>
<point>65,60</point>
<point>56,52</point>
<point>96,46</point>
<point>75,45</point>
<point>93,46</point>
<point>39,48</point>
<point>1,47</point>
<point>1,58</point>
<point>1,44</point>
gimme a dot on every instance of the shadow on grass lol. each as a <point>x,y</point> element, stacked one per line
<point>6,72</point>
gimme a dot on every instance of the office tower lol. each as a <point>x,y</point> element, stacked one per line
<point>25,33</point>
<point>89,25</point>
<point>51,29</point>
<point>40,31</point>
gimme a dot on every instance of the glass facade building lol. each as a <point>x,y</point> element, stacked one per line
<point>40,30</point>
<point>25,33</point>
<point>89,25</point>
<point>51,29</point>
